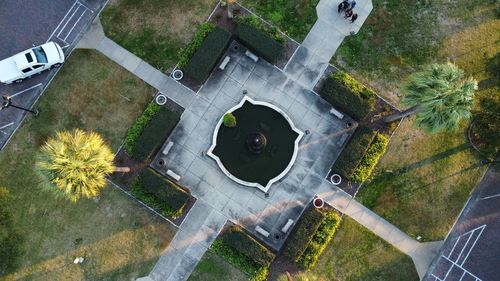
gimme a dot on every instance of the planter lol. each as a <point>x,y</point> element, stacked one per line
<point>161,162</point>
<point>318,203</point>
<point>277,236</point>
<point>177,74</point>
<point>235,48</point>
<point>349,124</point>
<point>161,99</point>
<point>336,179</point>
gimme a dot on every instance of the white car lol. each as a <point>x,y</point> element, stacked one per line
<point>35,60</point>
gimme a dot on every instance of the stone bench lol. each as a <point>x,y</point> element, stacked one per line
<point>287,226</point>
<point>224,63</point>
<point>173,175</point>
<point>167,148</point>
<point>337,113</point>
<point>252,56</point>
<point>342,139</point>
<point>262,231</point>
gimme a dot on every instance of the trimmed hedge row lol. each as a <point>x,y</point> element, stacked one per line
<point>303,233</point>
<point>208,54</point>
<point>320,240</point>
<point>245,244</point>
<point>149,131</point>
<point>159,193</point>
<point>259,42</point>
<point>186,53</point>
<point>350,96</point>
<point>365,168</point>
<point>272,32</point>
<point>353,153</point>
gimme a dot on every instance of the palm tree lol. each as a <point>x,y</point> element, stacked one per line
<point>439,95</point>
<point>75,164</point>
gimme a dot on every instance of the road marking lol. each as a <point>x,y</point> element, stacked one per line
<point>489,197</point>
<point>6,126</point>
<point>69,19</point>
<point>63,19</point>
<point>74,25</point>
<point>25,90</point>
<point>76,12</point>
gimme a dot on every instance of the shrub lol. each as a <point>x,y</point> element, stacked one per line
<point>154,127</point>
<point>320,240</point>
<point>303,233</point>
<point>207,55</point>
<point>350,96</point>
<point>10,239</point>
<point>238,240</point>
<point>136,130</point>
<point>159,193</point>
<point>259,42</point>
<point>187,52</point>
<point>376,149</point>
<point>272,32</point>
<point>229,120</point>
<point>353,153</point>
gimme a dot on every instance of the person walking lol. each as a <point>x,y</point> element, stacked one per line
<point>348,13</point>
<point>343,6</point>
<point>354,17</point>
<point>352,4</point>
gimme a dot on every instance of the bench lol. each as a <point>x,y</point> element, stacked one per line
<point>337,113</point>
<point>224,63</point>
<point>262,231</point>
<point>342,139</point>
<point>173,175</point>
<point>287,226</point>
<point>252,56</point>
<point>167,148</point>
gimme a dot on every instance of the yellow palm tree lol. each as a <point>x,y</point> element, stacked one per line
<point>75,164</point>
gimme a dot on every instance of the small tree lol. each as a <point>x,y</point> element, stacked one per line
<point>75,164</point>
<point>229,120</point>
<point>440,97</point>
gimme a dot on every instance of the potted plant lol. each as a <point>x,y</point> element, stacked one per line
<point>229,120</point>
<point>336,179</point>
<point>177,74</point>
<point>161,99</point>
<point>318,202</point>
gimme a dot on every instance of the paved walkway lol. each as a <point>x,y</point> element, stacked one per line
<point>95,39</point>
<point>313,56</point>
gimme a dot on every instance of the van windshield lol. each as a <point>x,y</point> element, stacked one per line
<point>40,55</point>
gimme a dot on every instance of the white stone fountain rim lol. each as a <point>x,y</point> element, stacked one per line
<point>278,177</point>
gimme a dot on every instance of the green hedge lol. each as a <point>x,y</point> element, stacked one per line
<point>208,54</point>
<point>187,52</point>
<point>320,240</point>
<point>159,193</point>
<point>348,95</point>
<point>235,252</point>
<point>272,32</point>
<point>353,153</point>
<point>259,42</point>
<point>376,149</point>
<point>150,131</point>
<point>303,233</point>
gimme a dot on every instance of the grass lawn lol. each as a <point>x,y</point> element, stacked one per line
<point>213,268</point>
<point>432,175</point>
<point>155,30</point>
<point>294,17</point>
<point>357,254</point>
<point>118,238</point>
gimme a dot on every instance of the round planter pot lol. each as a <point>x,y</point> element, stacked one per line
<point>161,162</point>
<point>336,179</point>
<point>177,74</point>
<point>235,48</point>
<point>349,124</point>
<point>161,99</point>
<point>318,203</point>
<point>277,236</point>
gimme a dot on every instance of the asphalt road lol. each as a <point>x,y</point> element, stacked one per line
<point>472,249</point>
<point>28,23</point>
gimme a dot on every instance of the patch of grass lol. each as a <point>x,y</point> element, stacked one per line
<point>357,254</point>
<point>155,30</point>
<point>113,233</point>
<point>213,268</point>
<point>294,17</point>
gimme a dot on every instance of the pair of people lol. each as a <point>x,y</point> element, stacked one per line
<point>347,6</point>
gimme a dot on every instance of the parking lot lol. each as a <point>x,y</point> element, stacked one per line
<point>28,23</point>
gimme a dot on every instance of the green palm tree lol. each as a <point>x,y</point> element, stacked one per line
<point>439,95</point>
<point>75,164</point>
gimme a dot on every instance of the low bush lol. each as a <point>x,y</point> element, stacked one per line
<point>229,120</point>
<point>259,42</point>
<point>159,193</point>
<point>353,153</point>
<point>376,149</point>
<point>347,94</point>
<point>272,32</point>
<point>320,240</point>
<point>10,239</point>
<point>187,52</point>
<point>256,271</point>
<point>303,233</point>
<point>150,131</point>
<point>238,240</point>
<point>208,54</point>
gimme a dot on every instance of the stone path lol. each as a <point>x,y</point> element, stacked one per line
<point>313,56</point>
<point>95,39</point>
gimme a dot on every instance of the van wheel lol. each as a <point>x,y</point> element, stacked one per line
<point>57,65</point>
<point>18,81</point>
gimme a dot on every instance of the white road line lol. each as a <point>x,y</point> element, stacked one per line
<point>6,126</point>
<point>25,90</point>
<point>457,265</point>
<point>489,197</point>
<point>63,19</point>
<point>74,25</point>
<point>465,246</point>
<point>67,21</point>
<point>474,244</point>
